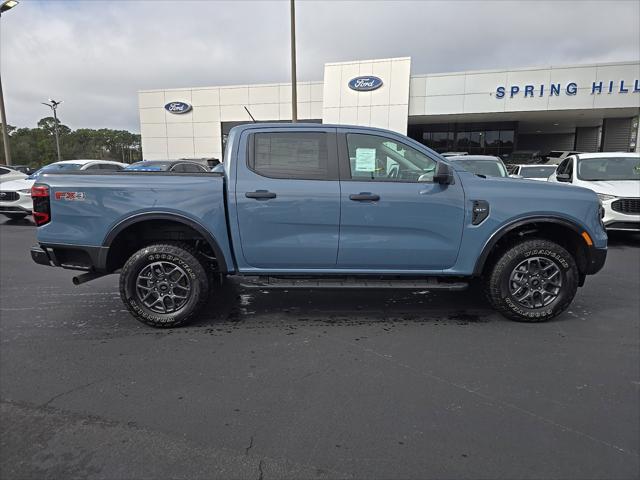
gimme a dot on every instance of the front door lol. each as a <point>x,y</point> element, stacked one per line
<point>394,217</point>
<point>288,199</point>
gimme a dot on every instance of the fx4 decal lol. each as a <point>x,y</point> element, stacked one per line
<point>70,196</point>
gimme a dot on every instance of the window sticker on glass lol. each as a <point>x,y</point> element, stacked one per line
<point>365,159</point>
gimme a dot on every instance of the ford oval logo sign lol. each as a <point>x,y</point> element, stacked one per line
<point>177,107</point>
<point>365,84</point>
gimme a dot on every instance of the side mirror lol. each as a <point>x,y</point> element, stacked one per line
<point>563,177</point>
<point>443,174</point>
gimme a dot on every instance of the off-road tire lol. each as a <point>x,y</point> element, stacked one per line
<point>498,277</point>
<point>187,259</point>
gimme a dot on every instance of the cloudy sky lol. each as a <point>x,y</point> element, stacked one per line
<point>96,55</point>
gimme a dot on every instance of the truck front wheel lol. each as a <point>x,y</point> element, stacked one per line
<point>532,281</point>
<point>164,285</point>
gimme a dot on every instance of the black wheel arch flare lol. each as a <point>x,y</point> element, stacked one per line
<point>516,224</point>
<point>135,219</point>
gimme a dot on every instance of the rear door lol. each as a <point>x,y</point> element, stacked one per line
<point>288,199</point>
<point>394,217</point>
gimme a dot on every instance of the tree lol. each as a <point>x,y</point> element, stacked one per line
<point>48,125</point>
<point>36,146</point>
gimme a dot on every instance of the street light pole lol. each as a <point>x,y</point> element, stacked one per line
<point>53,106</point>
<point>6,5</point>
<point>5,133</point>
<point>294,82</point>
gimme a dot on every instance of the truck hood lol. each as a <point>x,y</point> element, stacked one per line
<point>619,188</point>
<point>521,188</point>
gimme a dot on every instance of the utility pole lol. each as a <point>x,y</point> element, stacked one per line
<point>5,134</point>
<point>53,106</point>
<point>294,82</point>
<point>5,6</point>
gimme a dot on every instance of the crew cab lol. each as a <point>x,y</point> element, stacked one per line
<point>320,206</point>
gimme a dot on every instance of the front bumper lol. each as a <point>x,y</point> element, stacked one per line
<point>23,204</point>
<point>614,220</point>
<point>595,260</point>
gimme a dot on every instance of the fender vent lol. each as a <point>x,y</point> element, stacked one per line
<point>480,211</point>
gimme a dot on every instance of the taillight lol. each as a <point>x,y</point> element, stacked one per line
<point>41,205</point>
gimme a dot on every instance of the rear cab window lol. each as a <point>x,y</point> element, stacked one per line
<point>293,155</point>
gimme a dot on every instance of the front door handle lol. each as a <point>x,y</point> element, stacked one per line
<point>260,195</point>
<point>364,197</point>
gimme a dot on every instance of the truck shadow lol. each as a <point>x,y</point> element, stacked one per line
<point>7,222</point>
<point>238,307</point>
<point>623,239</point>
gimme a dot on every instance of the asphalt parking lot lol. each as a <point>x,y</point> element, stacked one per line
<point>320,384</point>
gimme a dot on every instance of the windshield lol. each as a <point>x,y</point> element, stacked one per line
<point>537,172</point>
<point>488,168</point>
<point>55,167</point>
<point>610,168</point>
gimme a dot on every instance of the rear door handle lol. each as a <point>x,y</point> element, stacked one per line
<point>260,195</point>
<point>364,197</point>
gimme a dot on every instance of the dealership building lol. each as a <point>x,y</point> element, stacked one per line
<point>587,108</point>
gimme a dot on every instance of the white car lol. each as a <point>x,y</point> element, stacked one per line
<point>533,172</point>
<point>555,157</point>
<point>7,174</point>
<point>615,177</point>
<point>15,195</point>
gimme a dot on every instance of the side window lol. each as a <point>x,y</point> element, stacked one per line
<point>4,171</point>
<point>299,155</point>
<point>93,167</point>
<point>191,168</point>
<point>562,167</point>
<point>382,159</point>
<point>178,168</point>
<point>110,166</point>
<point>569,167</point>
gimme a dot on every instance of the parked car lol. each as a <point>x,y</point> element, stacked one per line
<point>321,206</point>
<point>555,157</point>
<point>27,170</point>
<point>533,172</point>
<point>453,154</point>
<point>15,196</point>
<point>521,157</point>
<point>176,166</point>
<point>615,177</point>
<point>482,165</point>
<point>8,173</point>
<point>210,162</point>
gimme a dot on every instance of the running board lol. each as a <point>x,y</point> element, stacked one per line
<point>350,282</point>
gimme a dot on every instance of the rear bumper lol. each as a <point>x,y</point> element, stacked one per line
<point>73,257</point>
<point>40,256</point>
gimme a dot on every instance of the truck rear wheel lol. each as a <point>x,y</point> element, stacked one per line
<point>164,285</point>
<point>532,281</point>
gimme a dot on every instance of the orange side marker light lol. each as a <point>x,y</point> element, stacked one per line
<point>587,239</point>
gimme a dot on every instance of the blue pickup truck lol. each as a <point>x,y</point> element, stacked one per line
<point>320,206</point>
